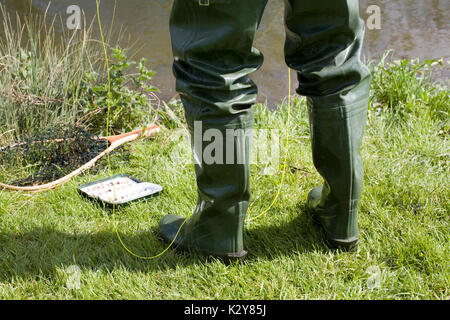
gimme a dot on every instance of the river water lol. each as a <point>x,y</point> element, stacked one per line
<point>413,28</point>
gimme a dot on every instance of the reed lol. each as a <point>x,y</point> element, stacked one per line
<point>42,72</point>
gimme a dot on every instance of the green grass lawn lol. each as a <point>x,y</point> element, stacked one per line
<point>404,225</point>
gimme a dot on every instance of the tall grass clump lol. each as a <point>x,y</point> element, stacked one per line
<point>41,73</point>
<point>50,78</point>
<point>406,89</point>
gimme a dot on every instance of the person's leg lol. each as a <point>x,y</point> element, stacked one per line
<point>323,44</point>
<point>214,54</point>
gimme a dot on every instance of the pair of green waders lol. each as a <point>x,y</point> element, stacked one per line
<point>214,55</point>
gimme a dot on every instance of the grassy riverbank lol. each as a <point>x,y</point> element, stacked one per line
<point>57,245</point>
<point>403,220</point>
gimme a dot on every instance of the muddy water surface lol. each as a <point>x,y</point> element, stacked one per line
<point>413,28</point>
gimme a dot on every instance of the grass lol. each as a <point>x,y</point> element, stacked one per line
<point>51,241</point>
<point>40,72</point>
<point>403,220</point>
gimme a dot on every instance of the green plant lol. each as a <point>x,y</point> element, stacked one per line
<point>406,87</point>
<point>129,96</point>
<point>40,74</point>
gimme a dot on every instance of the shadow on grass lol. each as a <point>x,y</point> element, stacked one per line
<point>289,238</point>
<point>41,251</point>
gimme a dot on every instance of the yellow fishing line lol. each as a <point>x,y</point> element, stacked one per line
<point>108,155</point>
<point>283,174</point>
<point>109,159</point>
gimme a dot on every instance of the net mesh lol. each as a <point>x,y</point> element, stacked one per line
<point>47,155</point>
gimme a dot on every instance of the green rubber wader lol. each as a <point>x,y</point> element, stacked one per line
<point>323,44</point>
<point>214,55</point>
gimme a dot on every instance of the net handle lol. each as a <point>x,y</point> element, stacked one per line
<point>116,141</point>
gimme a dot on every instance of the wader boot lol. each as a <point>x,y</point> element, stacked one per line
<point>213,48</point>
<point>323,45</point>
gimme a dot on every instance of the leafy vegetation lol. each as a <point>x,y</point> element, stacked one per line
<point>129,107</point>
<point>49,80</point>
<point>405,87</point>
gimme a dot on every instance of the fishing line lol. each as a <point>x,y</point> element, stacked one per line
<point>283,174</point>
<point>108,155</point>
<point>110,166</point>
